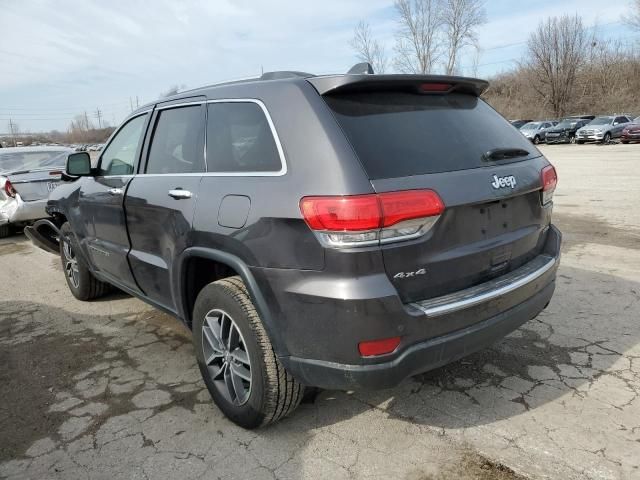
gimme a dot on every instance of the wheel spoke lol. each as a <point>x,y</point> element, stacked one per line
<point>241,356</point>
<point>241,372</point>
<point>231,387</point>
<point>221,373</point>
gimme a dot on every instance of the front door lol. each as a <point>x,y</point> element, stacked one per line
<point>160,201</point>
<point>102,203</point>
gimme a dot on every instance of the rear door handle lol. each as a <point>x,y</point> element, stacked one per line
<point>115,191</point>
<point>179,194</point>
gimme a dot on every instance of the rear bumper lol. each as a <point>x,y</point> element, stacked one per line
<point>16,210</point>
<point>434,332</point>
<point>420,357</point>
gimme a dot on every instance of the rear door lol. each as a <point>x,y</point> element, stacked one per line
<point>161,200</point>
<point>493,220</point>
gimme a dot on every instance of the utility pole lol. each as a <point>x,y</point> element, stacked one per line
<point>99,115</point>
<point>137,102</point>
<point>13,137</point>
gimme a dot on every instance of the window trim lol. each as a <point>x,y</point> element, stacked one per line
<point>138,151</point>
<point>283,163</point>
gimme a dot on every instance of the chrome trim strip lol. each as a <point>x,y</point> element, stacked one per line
<point>435,307</point>
<point>283,162</point>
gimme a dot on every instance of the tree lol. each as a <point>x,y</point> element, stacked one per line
<point>418,41</point>
<point>460,20</point>
<point>633,19</point>
<point>369,50</point>
<point>174,89</point>
<point>556,50</point>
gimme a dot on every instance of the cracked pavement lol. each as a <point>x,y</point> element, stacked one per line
<point>110,389</point>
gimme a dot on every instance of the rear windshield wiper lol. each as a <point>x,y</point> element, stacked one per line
<point>504,154</point>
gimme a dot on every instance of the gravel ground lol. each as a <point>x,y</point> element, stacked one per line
<point>110,389</point>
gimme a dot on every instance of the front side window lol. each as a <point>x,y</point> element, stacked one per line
<point>178,141</point>
<point>239,139</point>
<point>119,157</point>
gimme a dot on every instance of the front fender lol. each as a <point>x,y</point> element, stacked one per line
<point>178,285</point>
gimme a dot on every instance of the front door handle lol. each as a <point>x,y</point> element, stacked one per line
<point>115,191</point>
<point>179,194</point>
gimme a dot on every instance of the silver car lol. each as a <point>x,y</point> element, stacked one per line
<point>537,131</point>
<point>603,129</point>
<point>27,175</point>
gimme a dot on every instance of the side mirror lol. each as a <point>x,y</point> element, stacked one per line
<point>78,164</point>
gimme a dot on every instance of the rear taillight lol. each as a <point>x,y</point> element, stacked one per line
<point>9,190</point>
<point>549,179</point>
<point>360,220</point>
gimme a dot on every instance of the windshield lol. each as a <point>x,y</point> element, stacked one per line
<point>400,134</point>
<point>567,123</point>
<point>20,161</point>
<point>531,126</point>
<point>601,121</point>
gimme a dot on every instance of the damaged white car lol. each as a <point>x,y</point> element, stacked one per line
<point>27,176</point>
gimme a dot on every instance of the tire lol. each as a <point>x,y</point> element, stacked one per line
<point>623,141</point>
<point>536,140</point>
<point>83,285</point>
<point>607,138</point>
<point>246,380</point>
<point>5,230</point>
<point>580,142</point>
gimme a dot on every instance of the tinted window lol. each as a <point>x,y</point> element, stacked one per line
<point>178,141</point>
<point>239,139</point>
<point>621,119</point>
<point>119,157</point>
<point>403,134</point>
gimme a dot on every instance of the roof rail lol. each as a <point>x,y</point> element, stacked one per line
<point>285,74</point>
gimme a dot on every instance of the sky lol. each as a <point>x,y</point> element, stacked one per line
<point>62,58</point>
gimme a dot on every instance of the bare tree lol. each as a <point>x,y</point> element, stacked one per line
<point>460,20</point>
<point>556,50</point>
<point>418,40</point>
<point>633,18</point>
<point>369,50</point>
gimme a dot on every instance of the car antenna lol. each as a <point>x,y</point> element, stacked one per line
<point>363,68</point>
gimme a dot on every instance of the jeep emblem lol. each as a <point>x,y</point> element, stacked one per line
<point>501,182</point>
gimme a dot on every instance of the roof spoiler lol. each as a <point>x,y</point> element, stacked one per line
<point>440,84</point>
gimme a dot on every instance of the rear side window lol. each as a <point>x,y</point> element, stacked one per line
<point>239,139</point>
<point>178,141</point>
<point>403,134</point>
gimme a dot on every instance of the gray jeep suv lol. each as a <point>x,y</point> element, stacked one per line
<point>342,232</point>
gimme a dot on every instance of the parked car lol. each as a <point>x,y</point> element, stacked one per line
<point>537,131</point>
<point>519,123</point>
<point>336,233</point>
<point>602,129</point>
<point>27,176</point>
<point>565,131</point>
<point>631,133</point>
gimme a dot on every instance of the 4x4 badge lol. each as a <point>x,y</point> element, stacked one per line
<point>422,271</point>
<point>501,182</point>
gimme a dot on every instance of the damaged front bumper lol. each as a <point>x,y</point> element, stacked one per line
<point>44,234</point>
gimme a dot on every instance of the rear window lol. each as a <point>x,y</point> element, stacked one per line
<point>30,160</point>
<point>403,134</point>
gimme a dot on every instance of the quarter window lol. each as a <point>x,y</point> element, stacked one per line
<point>120,155</point>
<point>239,139</point>
<point>178,141</point>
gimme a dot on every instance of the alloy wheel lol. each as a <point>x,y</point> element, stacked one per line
<point>226,356</point>
<point>71,264</point>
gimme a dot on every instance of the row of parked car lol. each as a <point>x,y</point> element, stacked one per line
<point>581,129</point>
<point>88,148</point>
